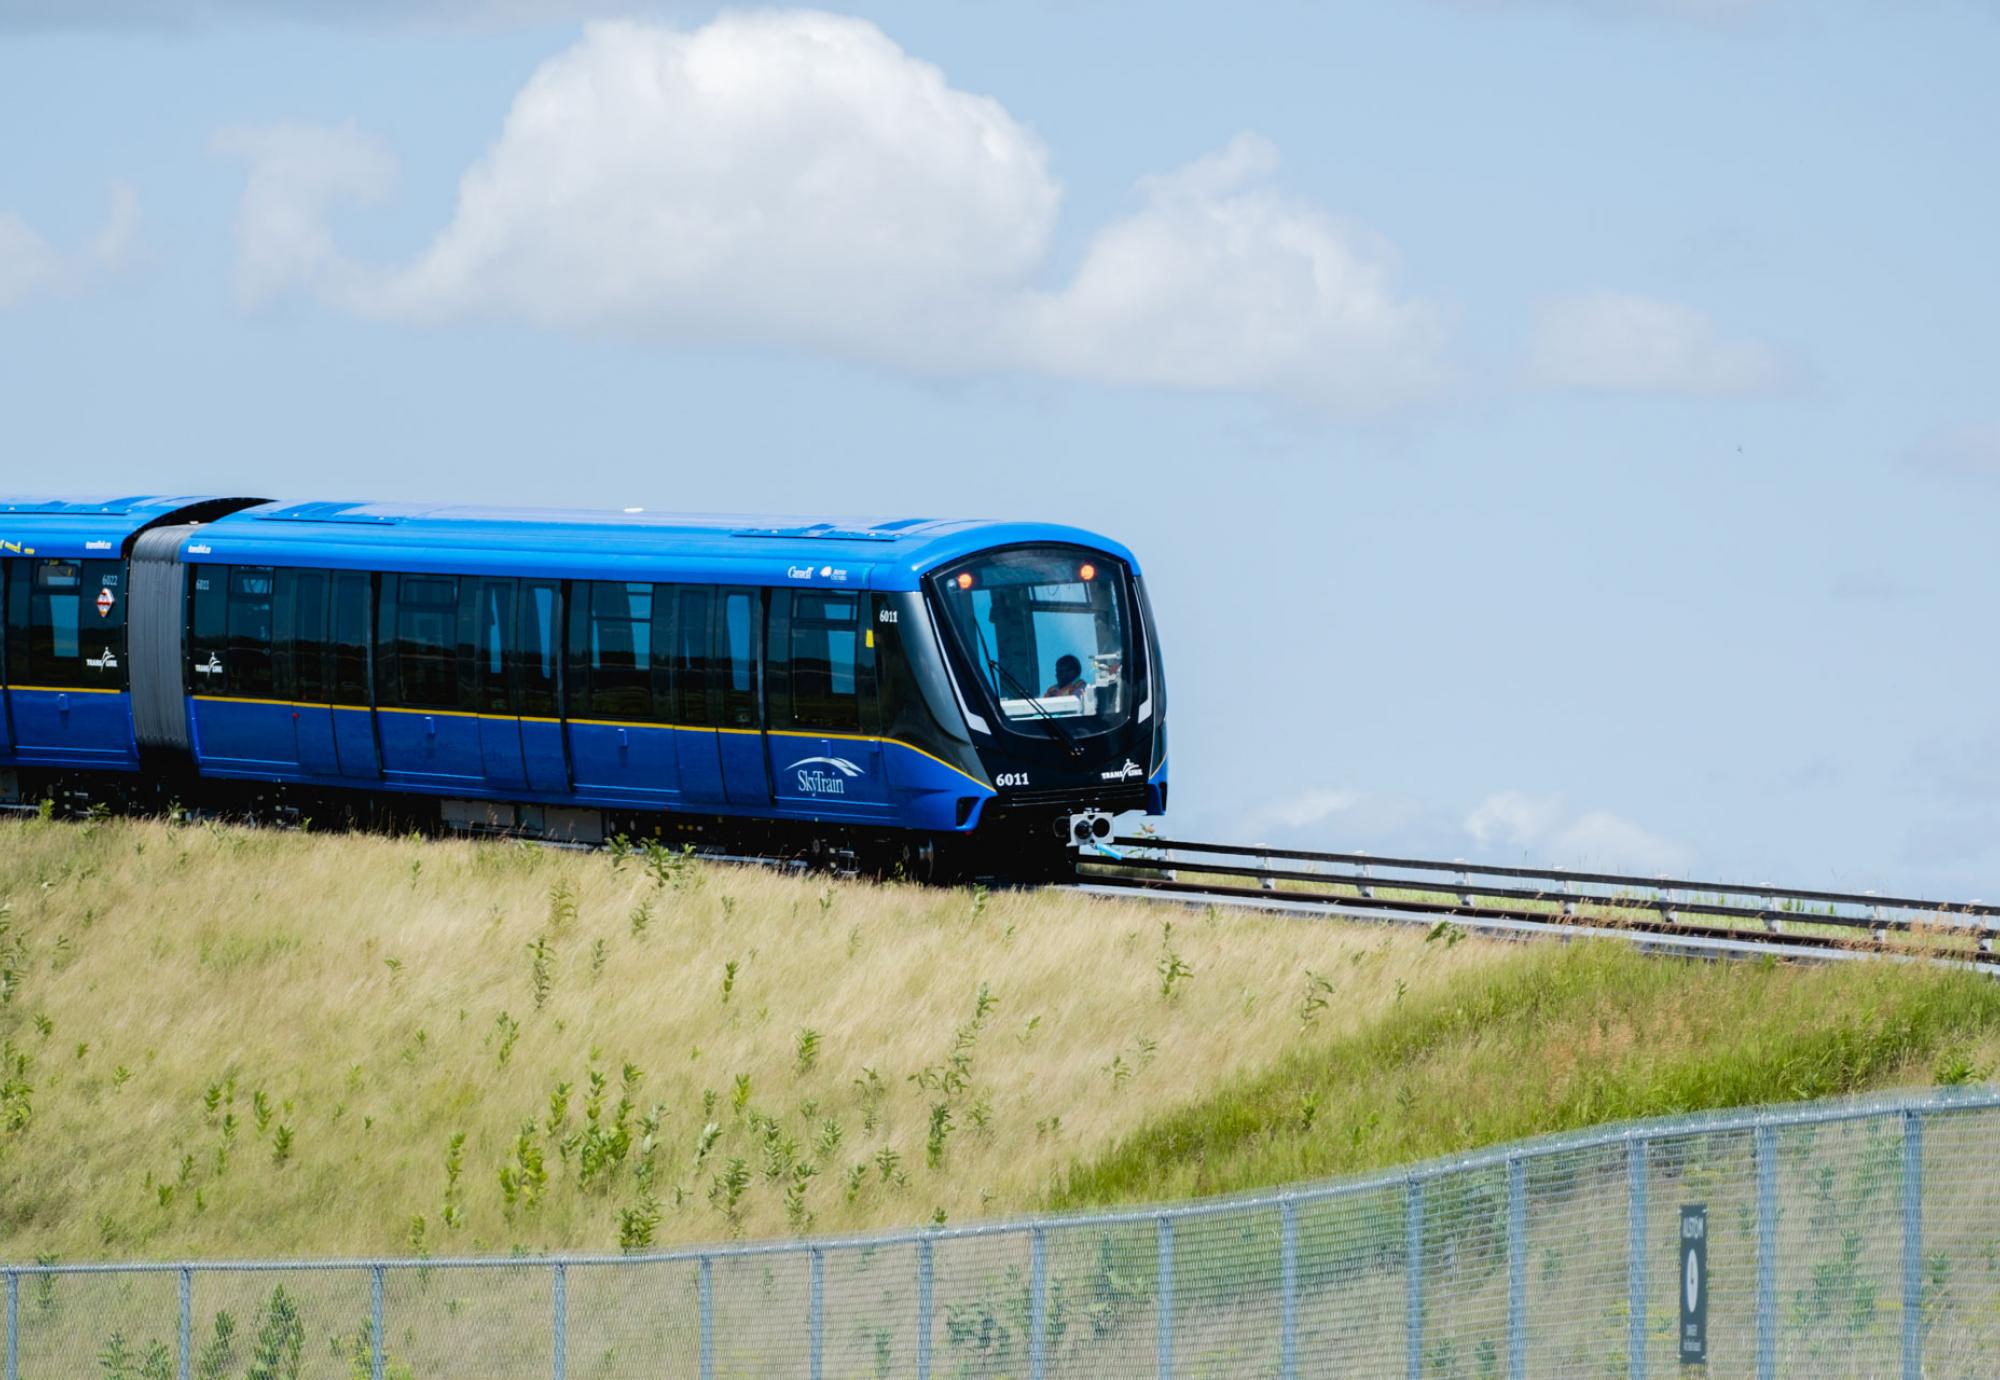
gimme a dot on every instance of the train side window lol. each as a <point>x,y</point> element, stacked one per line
<point>249,656</point>
<point>778,660</point>
<point>493,636</point>
<point>666,608</point>
<point>55,602</point>
<point>621,651</point>
<point>536,680</point>
<point>691,657</point>
<point>20,582</point>
<point>426,642</point>
<point>736,657</point>
<point>208,629</point>
<point>350,639</point>
<point>309,642</point>
<point>826,647</point>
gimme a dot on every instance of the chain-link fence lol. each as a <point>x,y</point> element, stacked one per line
<point>1850,1238</point>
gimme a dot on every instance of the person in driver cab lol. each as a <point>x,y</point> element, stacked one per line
<point>1069,677</point>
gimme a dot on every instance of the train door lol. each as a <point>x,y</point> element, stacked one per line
<point>492,600</point>
<point>621,746</point>
<point>738,678</point>
<point>538,687</point>
<point>244,720</point>
<point>695,738</point>
<point>427,734</point>
<point>66,667</point>
<point>821,705</point>
<point>353,694</point>
<point>301,615</point>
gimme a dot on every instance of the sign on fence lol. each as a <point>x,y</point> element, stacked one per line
<point>1694,1284</point>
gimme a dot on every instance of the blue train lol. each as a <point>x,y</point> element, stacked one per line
<point>945,696</point>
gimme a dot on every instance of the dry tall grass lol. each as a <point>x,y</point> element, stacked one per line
<point>227,1042</point>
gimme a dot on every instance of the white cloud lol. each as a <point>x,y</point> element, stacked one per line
<point>796,179</point>
<point>1619,342</point>
<point>1545,829</point>
<point>1221,282</point>
<point>298,173</point>
<point>1289,815</point>
<point>30,266</point>
<point>1971,452</point>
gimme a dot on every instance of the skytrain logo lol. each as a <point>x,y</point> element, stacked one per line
<point>813,780</point>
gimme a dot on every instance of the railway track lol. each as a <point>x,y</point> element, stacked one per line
<point>1716,919</point>
<point>1706,918</point>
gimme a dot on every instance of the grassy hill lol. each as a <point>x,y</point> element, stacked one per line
<point>236,1042</point>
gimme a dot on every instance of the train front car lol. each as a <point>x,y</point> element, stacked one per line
<point>1053,657</point>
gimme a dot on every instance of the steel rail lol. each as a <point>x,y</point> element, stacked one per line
<point>1444,910</point>
<point>1666,906</point>
<point>1459,867</point>
<point>1243,876</point>
<point>1734,944</point>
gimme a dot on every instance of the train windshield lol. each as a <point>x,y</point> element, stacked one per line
<point>1049,631</point>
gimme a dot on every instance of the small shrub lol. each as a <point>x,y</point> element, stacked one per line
<point>279,1349</point>
<point>563,907</point>
<point>217,1356</point>
<point>541,969</point>
<point>1317,994</point>
<point>1172,968</point>
<point>939,1132</point>
<point>728,1187</point>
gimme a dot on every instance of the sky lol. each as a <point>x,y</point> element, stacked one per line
<point>1554,431</point>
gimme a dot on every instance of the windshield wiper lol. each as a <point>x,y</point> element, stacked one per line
<point>1054,724</point>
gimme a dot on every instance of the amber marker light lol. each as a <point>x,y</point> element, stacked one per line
<point>965,579</point>
<point>1089,571</point>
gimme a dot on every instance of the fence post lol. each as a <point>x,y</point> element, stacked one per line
<point>1913,1245</point>
<point>1413,1278</point>
<point>1517,1269</point>
<point>1635,1258</point>
<point>1767,1253</point>
<point>924,1308</point>
<point>705,1301</point>
<point>187,1323</point>
<point>816,1313</point>
<point>1164,1346</point>
<point>1288,1290</point>
<point>13,1325</point>
<point>560,1301</point>
<point>376,1345</point>
<point>1038,1303</point>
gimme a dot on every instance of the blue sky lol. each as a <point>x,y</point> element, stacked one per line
<point>1558,431</point>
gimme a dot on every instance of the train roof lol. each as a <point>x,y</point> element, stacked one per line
<point>82,528</point>
<point>877,552</point>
